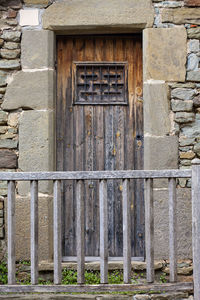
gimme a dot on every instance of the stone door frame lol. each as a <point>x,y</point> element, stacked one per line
<point>33,90</point>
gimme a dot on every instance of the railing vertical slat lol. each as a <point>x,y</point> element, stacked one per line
<point>103,231</point>
<point>196,226</point>
<point>34,232</point>
<point>126,232</point>
<point>149,229</point>
<point>80,236</point>
<point>172,230</point>
<point>11,232</point>
<point>57,233</point>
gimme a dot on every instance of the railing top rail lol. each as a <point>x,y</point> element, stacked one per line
<point>95,175</point>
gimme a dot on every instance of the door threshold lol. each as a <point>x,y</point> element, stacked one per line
<point>97,259</point>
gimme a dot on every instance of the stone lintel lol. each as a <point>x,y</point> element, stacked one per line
<point>84,15</point>
<point>156,108</point>
<point>37,49</point>
<point>165,51</point>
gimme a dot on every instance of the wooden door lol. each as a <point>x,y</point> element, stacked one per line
<point>100,127</point>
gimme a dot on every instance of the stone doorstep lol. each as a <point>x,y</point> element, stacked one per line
<point>164,296</point>
<point>45,266</point>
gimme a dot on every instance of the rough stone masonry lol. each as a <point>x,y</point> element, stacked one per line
<point>175,79</point>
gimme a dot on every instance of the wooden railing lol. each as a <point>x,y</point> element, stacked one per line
<point>102,177</point>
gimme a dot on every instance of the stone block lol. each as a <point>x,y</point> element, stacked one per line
<point>165,56</point>
<point>8,159</point>
<point>196,101</point>
<point>11,45</point>
<point>156,108</point>
<point>184,141</point>
<point>193,75</point>
<point>192,130</point>
<point>29,17</point>
<point>45,207</point>
<point>181,15</point>
<point>183,93</point>
<point>184,225</point>
<point>11,36</point>
<point>37,49</point>
<point>3,78</point>
<point>36,2</point>
<point>193,33</point>
<point>193,46</point>
<point>13,64</point>
<point>160,152</point>
<point>30,90</point>
<point>179,105</point>
<point>36,144</point>
<point>192,2</point>
<point>184,117</point>
<point>3,117</point>
<point>88,15</point>
<point>8,143</point>
<point>193,62</point>
<point>10,54</point>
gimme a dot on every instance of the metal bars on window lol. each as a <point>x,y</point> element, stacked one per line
<point>100,83</point>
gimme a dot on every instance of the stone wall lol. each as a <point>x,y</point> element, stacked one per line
<point>171,85</point>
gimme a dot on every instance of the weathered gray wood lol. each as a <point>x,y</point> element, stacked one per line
<point>103,231</point>
<point>149,229</point>
<point>87,175</point>
<point>196,226</point>
<point>172,230</point>
<point>97,258</point>
<point>126,232</point>
<point>166,287</point>
<point>34,232</point>
<point>57,233</point>
<point>80,234</point>
<point>11,232</point>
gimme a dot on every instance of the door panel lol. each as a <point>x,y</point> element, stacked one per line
<point>100,137</point>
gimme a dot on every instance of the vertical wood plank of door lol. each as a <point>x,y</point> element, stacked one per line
<point>119,131</point>
<point>110,154</point>
<point>138,148</point>
<point>98,120</point>
<point>78,126</point>
<point>89,159</point>
<point>130,133</point>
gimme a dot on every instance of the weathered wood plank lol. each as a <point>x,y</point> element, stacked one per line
<point>11,232</point>
<point>196,226</point>
<point>172,230</point>
<point>57,233</point>
<point>80,234</point>
<point>103,231</point>
<point>149,229</point>
<point>166,287</point>
<point>34,232</point>
<point>88,175</point>
<point>126,232</point>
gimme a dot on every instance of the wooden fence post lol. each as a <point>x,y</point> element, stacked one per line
<point>196,226</point>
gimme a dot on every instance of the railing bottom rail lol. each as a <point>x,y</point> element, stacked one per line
<point>164,287</point>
